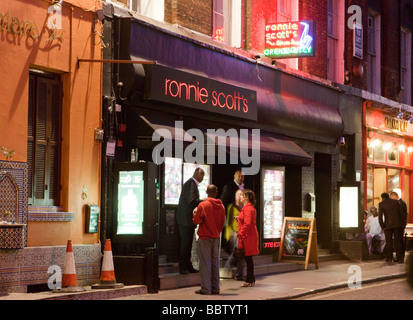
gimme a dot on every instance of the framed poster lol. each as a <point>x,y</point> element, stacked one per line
<point>299,241</point>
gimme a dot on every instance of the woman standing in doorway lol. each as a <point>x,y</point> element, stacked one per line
<point>248,233</point>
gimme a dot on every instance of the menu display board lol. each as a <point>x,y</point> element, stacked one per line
<point>189,169</point>
<point>295,240</point>
<point>299,241</point>
<point>273,198</point>
<point>130,202</point>
<point>173,180</point>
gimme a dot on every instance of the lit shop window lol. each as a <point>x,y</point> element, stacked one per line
<point>389,151</point>
<point>227,22</point>
<point>149,8</point>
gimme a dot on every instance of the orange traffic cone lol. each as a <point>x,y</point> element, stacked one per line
<point>69,280</point>
<point>107,275</point>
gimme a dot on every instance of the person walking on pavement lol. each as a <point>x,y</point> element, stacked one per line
<point>393,221</point>
<point>248,234</point>
<point>188,201</point>
<point>210,216</point>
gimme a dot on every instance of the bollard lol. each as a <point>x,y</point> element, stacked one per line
<point>152,269</point>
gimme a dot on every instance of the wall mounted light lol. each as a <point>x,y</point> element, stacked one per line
<point>400,115</point>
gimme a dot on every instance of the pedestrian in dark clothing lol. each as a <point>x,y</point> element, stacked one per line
<point>393,221</point>
<point>210,216</point>
<point>228,192</point>
<point>188,201</point>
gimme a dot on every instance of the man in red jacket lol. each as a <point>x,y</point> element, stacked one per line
<point>210,216</point>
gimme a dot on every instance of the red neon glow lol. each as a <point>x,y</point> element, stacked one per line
<point>196,93</point>
<point>219,34</point>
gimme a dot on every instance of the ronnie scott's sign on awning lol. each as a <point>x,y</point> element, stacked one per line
<point>290,39</point>
<point>190,90</point>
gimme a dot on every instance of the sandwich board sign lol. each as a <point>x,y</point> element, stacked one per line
<point>299,241</point>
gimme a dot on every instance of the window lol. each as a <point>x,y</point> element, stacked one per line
<point>149,8</point>
<point>227,22</point>
<point>335,40</point>
<point>43,142</point>
<point>405,66</point>
<point>284,12</point>
<point>373,54</point>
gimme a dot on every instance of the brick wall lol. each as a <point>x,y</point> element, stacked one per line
<point>192,14</point>
<point>317,11</point>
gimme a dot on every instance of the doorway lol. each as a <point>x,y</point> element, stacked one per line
<point>323,192</point>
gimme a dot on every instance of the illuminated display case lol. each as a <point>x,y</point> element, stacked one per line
<point>273,204</point>
<point>351,204</point>
<point>135,214</point>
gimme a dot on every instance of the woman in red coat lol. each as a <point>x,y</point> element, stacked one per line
<point>248,234</point>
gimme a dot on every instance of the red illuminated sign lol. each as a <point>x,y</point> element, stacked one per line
<point>189,90</point>
<point>290,39</point>
<point>271,244</point>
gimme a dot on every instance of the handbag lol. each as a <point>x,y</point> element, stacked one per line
<point>239,253</point>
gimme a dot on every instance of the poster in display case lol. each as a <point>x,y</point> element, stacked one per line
<point>135,216</point>
<point>273,202</point>
<point>130,202</point>
<point>189,169</point>
<point>172,180</point>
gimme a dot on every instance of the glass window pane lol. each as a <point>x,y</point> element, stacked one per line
<point>379,184</point>
<point>393,179</point>
<point>370,194</point>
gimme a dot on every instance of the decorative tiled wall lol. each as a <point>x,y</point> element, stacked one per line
<point>49,213</point>
<point>12,236</point>
<point>20,268</point>
<point>13,193</point>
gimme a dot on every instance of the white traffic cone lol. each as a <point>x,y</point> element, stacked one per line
<point>107,275</point>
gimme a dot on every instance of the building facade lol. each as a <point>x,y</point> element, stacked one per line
<point>50,106</point>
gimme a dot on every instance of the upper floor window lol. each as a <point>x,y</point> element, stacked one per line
<point>373,53</point>
<point>406,66</point>
<point>227,22</point>
<point>149,8</point>
<point>335,40</point>
<point>284,12</point>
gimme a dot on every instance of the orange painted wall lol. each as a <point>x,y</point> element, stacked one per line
<point>81,114</point>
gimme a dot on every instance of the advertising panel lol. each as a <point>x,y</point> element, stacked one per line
<point>273,198</point>
<point>130,203</point>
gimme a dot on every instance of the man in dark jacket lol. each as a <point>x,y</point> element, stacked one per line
<point>393,224</point>
<point>188,201</point>
<point>228,192</point>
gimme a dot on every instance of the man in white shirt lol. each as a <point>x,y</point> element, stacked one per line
<point>373,230</point>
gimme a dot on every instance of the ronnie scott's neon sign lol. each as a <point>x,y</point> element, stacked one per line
<point>290,39</point>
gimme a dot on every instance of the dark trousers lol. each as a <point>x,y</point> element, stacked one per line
<point>250,269</point>
<point>397,233</point>
<point>186,234</point>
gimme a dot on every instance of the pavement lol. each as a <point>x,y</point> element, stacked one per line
<point>281,286</point>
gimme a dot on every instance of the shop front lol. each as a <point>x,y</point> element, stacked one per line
<point>193,104</point>
<point>389,150</point>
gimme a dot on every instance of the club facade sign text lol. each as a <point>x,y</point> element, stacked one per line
<point>18,27</point>
<point>290,39</point>
<point>189,90</point>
